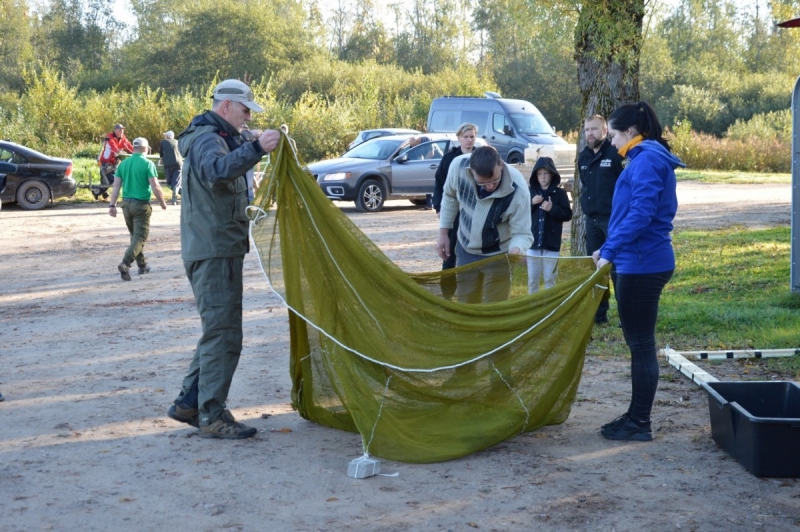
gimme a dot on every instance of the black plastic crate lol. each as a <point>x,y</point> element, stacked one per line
<point>758,423</point>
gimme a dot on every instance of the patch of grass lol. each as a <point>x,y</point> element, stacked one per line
<point>86,172</point>
<point>730,290</point>
<point>733,177</point>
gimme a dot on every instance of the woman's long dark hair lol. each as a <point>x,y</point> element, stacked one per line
<point>641,116</point>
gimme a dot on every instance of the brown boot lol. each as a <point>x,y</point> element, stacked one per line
<point>227,428</point>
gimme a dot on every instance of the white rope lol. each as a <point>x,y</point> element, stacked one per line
<point>380,410</point>
<point>514,391</point>
<point>401,368</point>
<point>330,254</point>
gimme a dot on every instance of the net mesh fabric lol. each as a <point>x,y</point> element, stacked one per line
<point>376,350</point>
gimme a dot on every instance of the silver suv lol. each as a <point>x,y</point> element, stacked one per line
<point>384,167</point>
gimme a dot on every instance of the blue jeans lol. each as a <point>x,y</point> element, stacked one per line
<point>637,302</point>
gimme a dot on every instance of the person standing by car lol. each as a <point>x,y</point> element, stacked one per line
<point>599,165</point>
<point>640,246</point>
<point>114,144</point>
<point>549,210</point>
<point>214,241</point>
<point>138,177</point>
<point>171,160</point>
<point>493,203</point>
<point>465,134</point>
<point>413,142</point>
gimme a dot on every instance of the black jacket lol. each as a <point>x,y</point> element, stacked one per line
<point>599,172</point>
<point>441,175</point>
<point>546,225</point>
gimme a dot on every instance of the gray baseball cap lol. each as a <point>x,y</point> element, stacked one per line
<point>236,91</point>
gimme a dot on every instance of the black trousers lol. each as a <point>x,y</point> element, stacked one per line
<point>637,302</point>
<point>596,234</point>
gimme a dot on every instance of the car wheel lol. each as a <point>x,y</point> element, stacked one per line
<point>371,195</point>
<point>515,158</point>
<point>33,195</point>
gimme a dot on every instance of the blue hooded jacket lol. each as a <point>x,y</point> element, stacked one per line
<point>644,205</point>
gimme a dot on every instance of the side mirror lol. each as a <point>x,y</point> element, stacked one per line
<point>508,131</point>
<point>402,159</point>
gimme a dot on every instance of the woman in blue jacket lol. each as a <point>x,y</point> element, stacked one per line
<point>640,247</point>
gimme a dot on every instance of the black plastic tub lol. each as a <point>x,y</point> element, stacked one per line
<point>758,423</point>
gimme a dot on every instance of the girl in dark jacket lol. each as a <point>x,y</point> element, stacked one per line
<point>549,210</point>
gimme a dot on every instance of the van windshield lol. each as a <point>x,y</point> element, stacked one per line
<point>531,123</point>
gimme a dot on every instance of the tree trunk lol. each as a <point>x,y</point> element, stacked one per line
<point>608,40</point>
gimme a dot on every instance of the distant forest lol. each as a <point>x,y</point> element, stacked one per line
<point>328,69</point>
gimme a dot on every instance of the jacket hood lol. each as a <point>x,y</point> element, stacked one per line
<point>548,164</point>
<point>204,123</point>
<point>656,148</point>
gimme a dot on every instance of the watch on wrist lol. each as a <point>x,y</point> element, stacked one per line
<point>114,205</point>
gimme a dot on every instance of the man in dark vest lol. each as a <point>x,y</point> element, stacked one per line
<point>171,160</point>
<point>214,241</point>
<point>600,165</point>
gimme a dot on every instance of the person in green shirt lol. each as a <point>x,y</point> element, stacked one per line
<point>139,179</point>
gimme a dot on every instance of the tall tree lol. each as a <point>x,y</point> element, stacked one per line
<point>429,41</point>
<point>75,36</point>
<point>608,41</point>
<point>529,52</point>
<point>15,42</point>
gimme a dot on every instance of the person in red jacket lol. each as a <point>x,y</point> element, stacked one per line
<point>114,144</point>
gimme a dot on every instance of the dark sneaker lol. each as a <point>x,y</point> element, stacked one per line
<point>628,430</point>
<point>124,271</point>
<point>616,423</point>
<point>227,428</point>
<point>184,415</point>
<point>144,269</point>
<point>601,319</point>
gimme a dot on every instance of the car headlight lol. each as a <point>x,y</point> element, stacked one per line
<point>338,176</point>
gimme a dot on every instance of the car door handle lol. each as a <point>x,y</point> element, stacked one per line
<point>433,166</point>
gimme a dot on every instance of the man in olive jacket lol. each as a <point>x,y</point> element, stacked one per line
<point>214,241</point>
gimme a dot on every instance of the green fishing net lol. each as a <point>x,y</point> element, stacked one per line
<point>421,376</point>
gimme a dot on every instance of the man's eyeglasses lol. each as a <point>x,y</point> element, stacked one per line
<point>485,184</point>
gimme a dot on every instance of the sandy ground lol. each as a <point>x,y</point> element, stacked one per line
<point>90,365</point>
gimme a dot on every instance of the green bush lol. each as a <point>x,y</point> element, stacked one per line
<point>749,154</point>
<point>775,125</point>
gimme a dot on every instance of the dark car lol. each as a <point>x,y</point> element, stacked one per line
<point>5,168</point>
<point>386,166</point>
<point>38,178</point>
<point>369,134</point>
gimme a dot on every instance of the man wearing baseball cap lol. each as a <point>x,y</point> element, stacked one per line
<point>214,241</point>
<point>138,177</point>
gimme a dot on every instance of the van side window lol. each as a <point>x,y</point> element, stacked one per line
<point>499,123</point>
<point>445,121</point>
<point>479,118</point>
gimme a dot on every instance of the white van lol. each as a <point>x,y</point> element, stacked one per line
<point>515,128</point>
